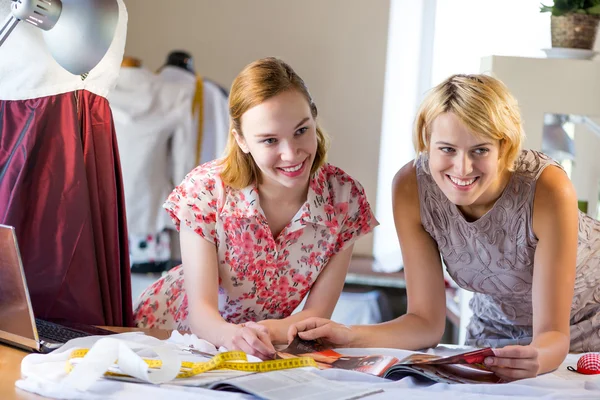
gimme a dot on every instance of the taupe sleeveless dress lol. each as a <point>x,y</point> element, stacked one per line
<point>493,257</point>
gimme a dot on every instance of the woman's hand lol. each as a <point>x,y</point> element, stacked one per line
<point>251,338</point>
<point>514,362</point>
<point>315,328</point>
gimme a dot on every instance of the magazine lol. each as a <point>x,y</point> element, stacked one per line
<point>272,385</point>
<point>460,368</point>
<point>298,384</point>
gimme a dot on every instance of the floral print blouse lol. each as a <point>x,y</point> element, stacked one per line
<point>262,277</point>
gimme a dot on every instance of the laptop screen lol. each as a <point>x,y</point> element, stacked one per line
<point>16,317</point>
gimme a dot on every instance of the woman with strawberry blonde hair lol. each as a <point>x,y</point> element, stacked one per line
<point>261,227</point>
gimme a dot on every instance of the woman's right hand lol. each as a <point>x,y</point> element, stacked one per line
<point>321,328</point>
<point>251,338</point>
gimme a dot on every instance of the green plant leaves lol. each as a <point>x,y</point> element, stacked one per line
<point>564,7</point>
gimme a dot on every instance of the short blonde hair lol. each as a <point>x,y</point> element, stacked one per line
<point>258,82</point>
<point>482,103</point>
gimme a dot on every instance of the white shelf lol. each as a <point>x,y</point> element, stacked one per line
<point>558,86</point>
<point>547,85</point>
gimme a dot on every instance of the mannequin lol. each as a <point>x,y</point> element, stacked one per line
<point>184,60</point>
<point>154,129</point>
<point>60,180</point>
<point>210,113</point>
<point>209,105</point>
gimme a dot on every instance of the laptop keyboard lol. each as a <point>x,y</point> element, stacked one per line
<point>56,333</point>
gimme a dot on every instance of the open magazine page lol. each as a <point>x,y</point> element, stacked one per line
<point>460,368</point>
<point>327,358</point>
<point>472,358</point>
<point>295,384</point>
<point>445,373</point>
<point>465,367</point>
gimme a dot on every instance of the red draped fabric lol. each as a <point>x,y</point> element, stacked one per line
<point>61,188</point>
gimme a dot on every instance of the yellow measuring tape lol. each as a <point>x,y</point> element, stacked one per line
<point>235,360</point>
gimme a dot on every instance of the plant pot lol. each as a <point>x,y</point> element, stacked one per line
<point>574,31</point>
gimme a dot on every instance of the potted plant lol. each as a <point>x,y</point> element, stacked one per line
<point>573,23</point>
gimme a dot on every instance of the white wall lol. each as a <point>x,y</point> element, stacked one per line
<point>337,46</point>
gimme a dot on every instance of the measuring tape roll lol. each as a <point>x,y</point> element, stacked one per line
<point>235,360</point>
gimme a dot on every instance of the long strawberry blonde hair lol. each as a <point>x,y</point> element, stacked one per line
<point>258,82</point>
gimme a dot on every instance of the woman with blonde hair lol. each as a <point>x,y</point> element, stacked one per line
<point>507,226</point>
<point>262,226</point>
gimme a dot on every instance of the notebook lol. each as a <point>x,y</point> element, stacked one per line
<point>18,326</point>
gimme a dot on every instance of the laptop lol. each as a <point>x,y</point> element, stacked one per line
<point>18,326</point>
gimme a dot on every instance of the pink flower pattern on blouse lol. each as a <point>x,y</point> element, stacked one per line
<point>260,277</point>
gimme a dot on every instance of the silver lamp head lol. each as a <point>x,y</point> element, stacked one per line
<point>40,13</point>
<point>78,33</point>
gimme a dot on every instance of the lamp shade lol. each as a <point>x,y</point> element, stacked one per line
<point>77,33</point>
<point>83,33</point>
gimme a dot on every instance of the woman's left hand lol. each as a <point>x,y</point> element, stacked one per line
<point>514,362</point>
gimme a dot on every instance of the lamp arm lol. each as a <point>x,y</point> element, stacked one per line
<point>592,125</point>
<point>9,24</point>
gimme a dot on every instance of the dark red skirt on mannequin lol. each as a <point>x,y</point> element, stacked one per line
<point>61,188</point>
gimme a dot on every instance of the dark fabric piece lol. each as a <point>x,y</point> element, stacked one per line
<point>61,188</point>
<point>153,267</point>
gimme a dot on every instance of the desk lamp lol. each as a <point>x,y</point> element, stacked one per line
<point>78,33</point>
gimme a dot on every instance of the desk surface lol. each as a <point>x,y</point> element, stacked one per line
<point>10,365</point>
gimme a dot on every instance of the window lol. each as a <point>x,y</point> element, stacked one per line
<point>467,30</point>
